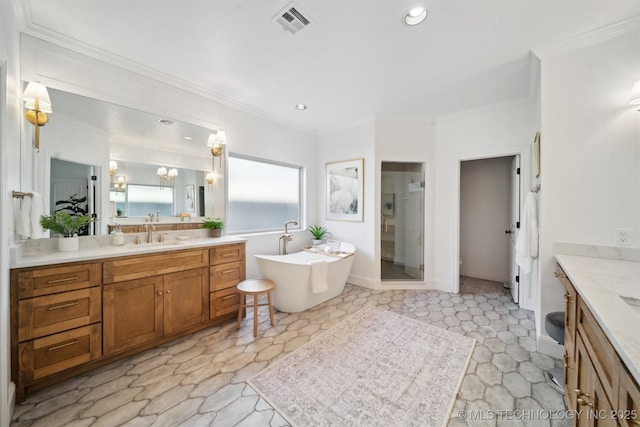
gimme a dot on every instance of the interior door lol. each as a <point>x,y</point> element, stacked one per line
<point>514,224</point>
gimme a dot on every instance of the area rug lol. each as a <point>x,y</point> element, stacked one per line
<point>375,368</point>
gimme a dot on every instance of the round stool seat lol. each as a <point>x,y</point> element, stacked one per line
<point>554,325</point>
<point>255,287</point>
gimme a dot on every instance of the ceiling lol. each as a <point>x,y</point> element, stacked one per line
<point>356,59</point>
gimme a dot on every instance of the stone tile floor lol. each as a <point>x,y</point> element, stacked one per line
<point>199,380</point>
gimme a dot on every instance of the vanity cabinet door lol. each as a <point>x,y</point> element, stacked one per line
<point>186,299</point>
<point>133,313</point>
<point>628,400</point>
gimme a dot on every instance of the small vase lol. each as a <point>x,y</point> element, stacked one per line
<point>68,244</point>
<point>316,242</point>
<point>216,232</point>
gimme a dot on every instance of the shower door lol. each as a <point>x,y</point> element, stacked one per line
<point>402,221</point>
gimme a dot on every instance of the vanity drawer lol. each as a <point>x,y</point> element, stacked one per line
<point>226,253</point>
<point>45,356</point>
<point>137,267</point>
<point>50,314</point>
<point>188,226</point>
<point>602,354</point>
<point>225,276</point>
<point>50,280</point>
<point>224,302</point>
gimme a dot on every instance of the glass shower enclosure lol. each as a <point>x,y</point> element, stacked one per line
<point>402,221</point>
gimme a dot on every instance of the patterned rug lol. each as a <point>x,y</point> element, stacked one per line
<point>376,368</point>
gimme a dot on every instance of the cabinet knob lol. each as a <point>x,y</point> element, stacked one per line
<point>168,291</point>
<point>159,293</point>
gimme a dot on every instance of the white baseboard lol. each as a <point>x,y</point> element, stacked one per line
<point>363,282</point>
<point>548,345</point>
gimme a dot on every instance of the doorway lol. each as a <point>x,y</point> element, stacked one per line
<point>402,222</point>
<point>489,216</point>
<point>73,190</point>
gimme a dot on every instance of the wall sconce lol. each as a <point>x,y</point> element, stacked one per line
<point>38,104</point>
<point>168,176</point>
<point>113,167</point>
<point>634,98</point>
<point>209,178</point>
<point>217,142</point>
<point>120,184</point>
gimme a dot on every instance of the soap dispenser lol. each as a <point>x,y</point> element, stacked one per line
<point>117,238</point>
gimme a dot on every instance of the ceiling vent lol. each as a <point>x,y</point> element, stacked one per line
<point>292,19</point>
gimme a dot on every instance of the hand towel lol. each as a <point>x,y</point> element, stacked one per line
<point>319,270</point>
<point>527,240</point>
<point>22,217</point>
<point>37,209</point>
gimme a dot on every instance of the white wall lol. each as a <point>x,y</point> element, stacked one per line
<point>485,213</point>
<point>491,132</point>
<point>590,146</point>
<point>348,144</point>
<point>10,127</point>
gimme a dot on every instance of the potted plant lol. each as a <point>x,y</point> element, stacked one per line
<point>67,226</point>
<point>216,225</point>
<point>318,233</point>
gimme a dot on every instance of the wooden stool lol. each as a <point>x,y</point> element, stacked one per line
<point>255,287</point>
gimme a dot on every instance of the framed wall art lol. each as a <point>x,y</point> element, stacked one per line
<point>189,198</point>
<point>345,190</point>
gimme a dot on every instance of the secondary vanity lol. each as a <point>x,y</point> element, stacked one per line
<point>73,312</point>
<point>602,342</point>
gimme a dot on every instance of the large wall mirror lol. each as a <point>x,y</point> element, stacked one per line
<point>85,136</point>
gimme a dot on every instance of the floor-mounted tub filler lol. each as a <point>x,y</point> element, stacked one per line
<point>307,278</point>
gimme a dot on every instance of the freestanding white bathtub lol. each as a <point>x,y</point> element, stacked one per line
<point>291,273</point>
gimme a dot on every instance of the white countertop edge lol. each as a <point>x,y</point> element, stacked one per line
<point>614,316</point>
<point>99,252</point>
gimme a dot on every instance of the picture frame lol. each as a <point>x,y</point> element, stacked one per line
<point>536,153</point>
<point>389,204</point>
<point>189,198</point>
<point>416,183</point>
<point>345,190</point>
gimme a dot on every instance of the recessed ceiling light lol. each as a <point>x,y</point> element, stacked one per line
<point>166,122</point>
<point>415,16</point>
<point>301,107</point>
<point>188,138</point>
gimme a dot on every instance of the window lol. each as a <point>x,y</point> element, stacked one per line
<point>141,200</point>
<point>262,195</point>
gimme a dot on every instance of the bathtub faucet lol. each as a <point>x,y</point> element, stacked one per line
<point>286,237</point>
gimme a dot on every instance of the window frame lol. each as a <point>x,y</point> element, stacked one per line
<point>301,184</point>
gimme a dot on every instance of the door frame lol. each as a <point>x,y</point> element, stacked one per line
<point>524,151</point>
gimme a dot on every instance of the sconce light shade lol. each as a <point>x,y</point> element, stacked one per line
<point>209,178</point>
<point>221,137</point>
<point>212,140</point>
<point>162,171</point>
<point>167,176</point>
<point>173,173</point>
<point>634,98</point>
<point>38,104</point>
<point>36,97</point>
<point>113,167</point>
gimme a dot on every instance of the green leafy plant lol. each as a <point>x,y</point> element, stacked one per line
<point>213,224</point>
<point>318,232</point>
<point>64,223</point>
<point>74,206</point>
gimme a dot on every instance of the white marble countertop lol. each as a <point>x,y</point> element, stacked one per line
<point>99,247</point>
<point>602,283</point>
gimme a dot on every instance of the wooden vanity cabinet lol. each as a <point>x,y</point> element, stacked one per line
<point>227,269</point>
<point>599,388</point>
<point>55,320</point>
<point>69,318</point>
<point>153,304</point>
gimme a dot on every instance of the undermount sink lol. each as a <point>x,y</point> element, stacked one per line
<point>634,303</point>
<point>154,244</point>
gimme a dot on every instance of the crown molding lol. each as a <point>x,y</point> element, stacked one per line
<point>36,31</point>
<point>589,38</point>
